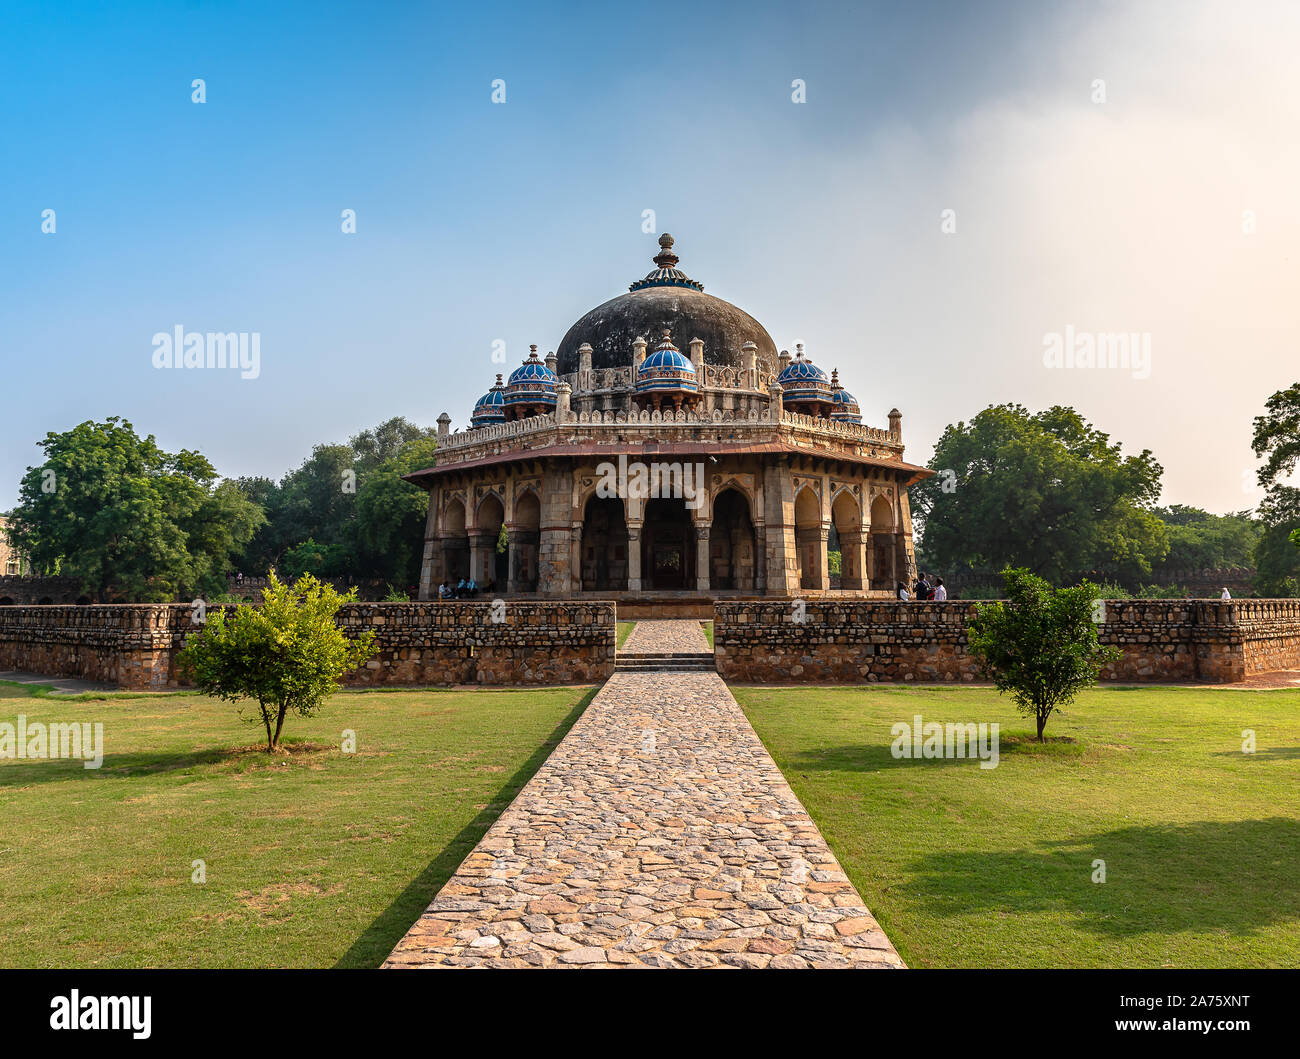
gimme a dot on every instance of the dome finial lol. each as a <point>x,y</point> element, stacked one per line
<point>666,258</point>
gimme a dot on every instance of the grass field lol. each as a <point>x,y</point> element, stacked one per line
<point>967,867</point>
<point>314,859</point>
<point>623,630</point>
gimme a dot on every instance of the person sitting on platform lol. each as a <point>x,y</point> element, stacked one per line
<point>902,592</point>
<point>471,588</point>
<point>460,589</point>
<point>444,591</point>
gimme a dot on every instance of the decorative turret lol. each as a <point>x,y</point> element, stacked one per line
<point>667,375</point>
<point>531,390</point>
<point>806,387</point>
<point>844,406</point>
<point>896,423</point>
<point>491,407</point>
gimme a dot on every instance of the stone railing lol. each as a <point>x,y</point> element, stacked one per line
<point>135,645</point>
<point>847,431</point>
<point>855,641</point>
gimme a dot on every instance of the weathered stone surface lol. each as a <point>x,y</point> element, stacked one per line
<point>665,832</point>
<point>851,641</point>
<point>134,645</point>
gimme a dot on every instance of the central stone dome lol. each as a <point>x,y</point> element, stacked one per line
<point>667,299</point>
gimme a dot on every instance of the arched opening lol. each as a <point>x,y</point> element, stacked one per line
<point>733,548</point>
<point>846,524</point>
<point>604,545</point>
<point>525,535</point>
<point>884,545</point>
<point>667,546</point>
<point>810,541</point>
<point>455,543</point>
<point>491,567</point>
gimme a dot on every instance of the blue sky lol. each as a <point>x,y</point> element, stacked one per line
<point>479,222</point>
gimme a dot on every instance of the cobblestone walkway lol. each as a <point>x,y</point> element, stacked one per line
<point>659,833</point>
<point>665,636</point>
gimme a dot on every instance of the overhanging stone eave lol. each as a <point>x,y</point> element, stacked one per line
<point>424,478</point>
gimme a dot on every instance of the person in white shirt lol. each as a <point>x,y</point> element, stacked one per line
<point>902,592</point>
<point>1226,594</point>
<point>940,591</point>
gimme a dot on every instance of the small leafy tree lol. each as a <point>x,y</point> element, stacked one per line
<point>1040,644</point>
<point>288,654</point>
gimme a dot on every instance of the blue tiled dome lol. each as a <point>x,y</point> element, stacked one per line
<point>802,380</point>
<point>533,383</point>
<point>666,370</point>
<point>844,406</point>
<point>491,407</point>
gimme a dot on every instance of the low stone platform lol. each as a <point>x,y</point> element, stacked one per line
<point>660,833</point>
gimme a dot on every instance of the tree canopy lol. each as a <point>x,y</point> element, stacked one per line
<point>127,519</point>
<point>1046,491</point>
<point>1277,440</point>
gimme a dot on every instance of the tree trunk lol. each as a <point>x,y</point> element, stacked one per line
<point>1042,723</point>
<point>266,721</point>
<point>279,723</point>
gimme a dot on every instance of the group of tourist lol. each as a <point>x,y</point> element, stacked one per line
<point>924,591</point>
<point>465,588</point>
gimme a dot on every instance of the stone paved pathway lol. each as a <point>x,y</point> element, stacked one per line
<point>659,833</point>
<point>665,636</point>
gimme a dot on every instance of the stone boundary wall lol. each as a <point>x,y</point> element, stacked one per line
<point>853,642</point>
<point>134,645</point>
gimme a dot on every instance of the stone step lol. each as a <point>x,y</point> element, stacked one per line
<point>664,665</point>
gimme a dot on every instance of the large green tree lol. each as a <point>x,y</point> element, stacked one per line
<point>128,519</point>
<point>349,502</point>
<point>1046,491</point>
<point>1277,441</point>
<point>1199,540</point>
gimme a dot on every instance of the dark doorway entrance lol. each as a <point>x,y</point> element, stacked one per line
<point>668,546</point>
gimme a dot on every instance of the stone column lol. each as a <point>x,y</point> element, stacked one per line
<point>431,567</point>
<point>782,560</point>
<point>893,559</point>
<point>760,558</point>
<point>554,554</point>
<point>512,559</point>
<point>482,547</point>
<point>634,556</point>
<point>702,579</point>
<point>852,560</point>
<point>575,552</point>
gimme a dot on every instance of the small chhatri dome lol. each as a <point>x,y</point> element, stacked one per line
<point>844,406</point>
<point>533,383</point>
<point>666,369</point>
<point>491,407</point>
<point>802,380</point>
<point>666,273</point>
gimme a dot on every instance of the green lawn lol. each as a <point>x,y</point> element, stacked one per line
<point>708,632</point>
<point>623,630</point>
<point>966,867</point>
<point>314,859</point>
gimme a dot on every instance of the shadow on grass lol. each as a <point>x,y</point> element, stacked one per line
<point>1274,753</point>
<point>1235,876</point>
<point>876,757</point>
<point>377,941</point>
<point>25,773</point>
